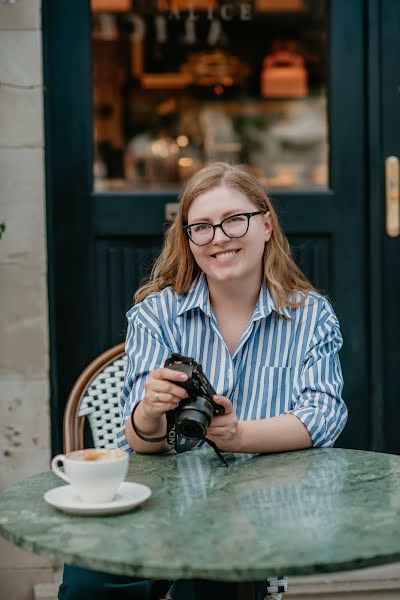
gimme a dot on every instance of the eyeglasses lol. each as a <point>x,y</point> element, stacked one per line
<point>235,226</point>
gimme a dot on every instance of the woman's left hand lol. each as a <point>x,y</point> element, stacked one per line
<point>224,430</point>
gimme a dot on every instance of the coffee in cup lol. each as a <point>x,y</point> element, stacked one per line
<point>95,474</point>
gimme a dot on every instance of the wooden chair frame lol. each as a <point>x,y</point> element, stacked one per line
<point>73,424</point>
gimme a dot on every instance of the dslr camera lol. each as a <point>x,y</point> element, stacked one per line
<point>194,414</point>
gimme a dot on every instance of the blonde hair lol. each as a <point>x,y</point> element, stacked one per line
<point>176,266</point>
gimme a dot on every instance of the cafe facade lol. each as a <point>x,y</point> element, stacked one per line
<point>139,95</point>
<point>108,107</point>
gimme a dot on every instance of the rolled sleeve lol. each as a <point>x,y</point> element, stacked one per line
<point>145,351</point>
<point>317,394</point>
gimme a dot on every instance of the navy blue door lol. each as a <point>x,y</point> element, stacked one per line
<point>102,243</point>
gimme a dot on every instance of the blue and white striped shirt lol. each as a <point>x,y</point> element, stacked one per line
<point>281,365</point>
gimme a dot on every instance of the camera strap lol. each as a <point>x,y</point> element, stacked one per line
<point>217,452</point>
<point>173,440</point>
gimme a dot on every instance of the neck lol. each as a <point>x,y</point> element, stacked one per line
<point>240,297</point>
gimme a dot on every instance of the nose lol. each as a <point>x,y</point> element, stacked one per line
<point>219,234</point>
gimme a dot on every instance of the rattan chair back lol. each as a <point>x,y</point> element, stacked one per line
<point>95,397</point>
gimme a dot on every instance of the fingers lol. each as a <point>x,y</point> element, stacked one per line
<point>169,374</point>
<point>225,437</point>
<point>215,436</point>
<point>160,397</point>
<point>161,394</point>
<point>156,403</point>
<point>161,380</point>
<point>223,427</point>
<point>163,403</point>
<point>225,402</point>
<point>222,421</point>
<point>166,387</point>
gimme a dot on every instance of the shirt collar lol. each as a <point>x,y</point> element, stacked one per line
<point>266,305</point>
<point>198,297</point>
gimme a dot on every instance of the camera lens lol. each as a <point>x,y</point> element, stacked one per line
<point>192,425</point>
<point>193,417</point>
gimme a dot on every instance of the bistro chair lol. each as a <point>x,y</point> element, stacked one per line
<point>95,397</point>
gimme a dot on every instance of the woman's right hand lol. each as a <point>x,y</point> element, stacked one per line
<point>161,394</point>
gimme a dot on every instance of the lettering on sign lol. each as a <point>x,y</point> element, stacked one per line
<point>189,18</point>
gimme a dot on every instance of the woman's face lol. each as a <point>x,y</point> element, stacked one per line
<point>229,259</point>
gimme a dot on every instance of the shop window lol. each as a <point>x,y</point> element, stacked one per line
<point>178,84</point>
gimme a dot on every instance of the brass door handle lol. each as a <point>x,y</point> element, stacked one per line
<point>392,183</point>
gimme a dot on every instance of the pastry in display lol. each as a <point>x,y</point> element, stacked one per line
<point>216,67</point>
<point>284,75</point>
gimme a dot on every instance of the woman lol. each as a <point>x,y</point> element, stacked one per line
<point>226,292</point>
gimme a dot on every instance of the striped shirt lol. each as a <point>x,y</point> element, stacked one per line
<point>285,362</point>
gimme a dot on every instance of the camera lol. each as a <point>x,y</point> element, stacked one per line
<point>194,414</point>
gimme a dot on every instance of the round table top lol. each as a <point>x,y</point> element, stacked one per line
<point>294,513</point>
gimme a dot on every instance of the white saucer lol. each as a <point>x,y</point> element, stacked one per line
<point>128,496</point>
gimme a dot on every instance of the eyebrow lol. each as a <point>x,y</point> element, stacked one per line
<point>233,211</point>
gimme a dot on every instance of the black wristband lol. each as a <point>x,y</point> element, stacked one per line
<point>142,437</point>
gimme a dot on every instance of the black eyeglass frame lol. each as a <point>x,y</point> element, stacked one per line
<point>245,214</point>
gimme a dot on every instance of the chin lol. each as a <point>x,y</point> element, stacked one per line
<point>227,275</point>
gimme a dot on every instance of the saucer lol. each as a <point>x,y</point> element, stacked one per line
<point>127,497</point>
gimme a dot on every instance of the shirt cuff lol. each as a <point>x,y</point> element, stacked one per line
<point>315,422</point>
<point>122,442</point>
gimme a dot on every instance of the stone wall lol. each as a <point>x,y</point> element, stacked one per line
<point>24,348</point>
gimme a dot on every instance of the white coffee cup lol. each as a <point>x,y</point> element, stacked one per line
<point>94,474</point>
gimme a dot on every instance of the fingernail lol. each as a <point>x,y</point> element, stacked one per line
<point>183,376</point>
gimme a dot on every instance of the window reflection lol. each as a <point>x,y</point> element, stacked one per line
<point>178,84</point>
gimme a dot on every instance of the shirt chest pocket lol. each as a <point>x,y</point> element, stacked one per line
<point>275,378</point>
<point>277,390</point>
<point>267,394</point>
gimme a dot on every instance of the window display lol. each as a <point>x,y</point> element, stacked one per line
<point>178,84</point>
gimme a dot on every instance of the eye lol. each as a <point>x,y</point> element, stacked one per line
<point>236,219</point>
<point>199,227</point>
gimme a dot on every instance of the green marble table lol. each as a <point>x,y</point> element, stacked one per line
<point>302,512</point>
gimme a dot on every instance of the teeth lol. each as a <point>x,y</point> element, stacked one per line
<point>225,255</point>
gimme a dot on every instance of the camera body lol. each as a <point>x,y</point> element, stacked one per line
<point>194,414</point>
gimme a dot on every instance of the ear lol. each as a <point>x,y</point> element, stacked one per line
<point>267,226</point>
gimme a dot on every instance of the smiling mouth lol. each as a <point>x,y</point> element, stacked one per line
<point>221,256</point>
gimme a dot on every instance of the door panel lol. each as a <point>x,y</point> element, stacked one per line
<point>314,256</point>
<point>120,268</point>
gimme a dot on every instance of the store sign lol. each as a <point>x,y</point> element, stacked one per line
<point>226,12</point>
<point>215,16</point>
